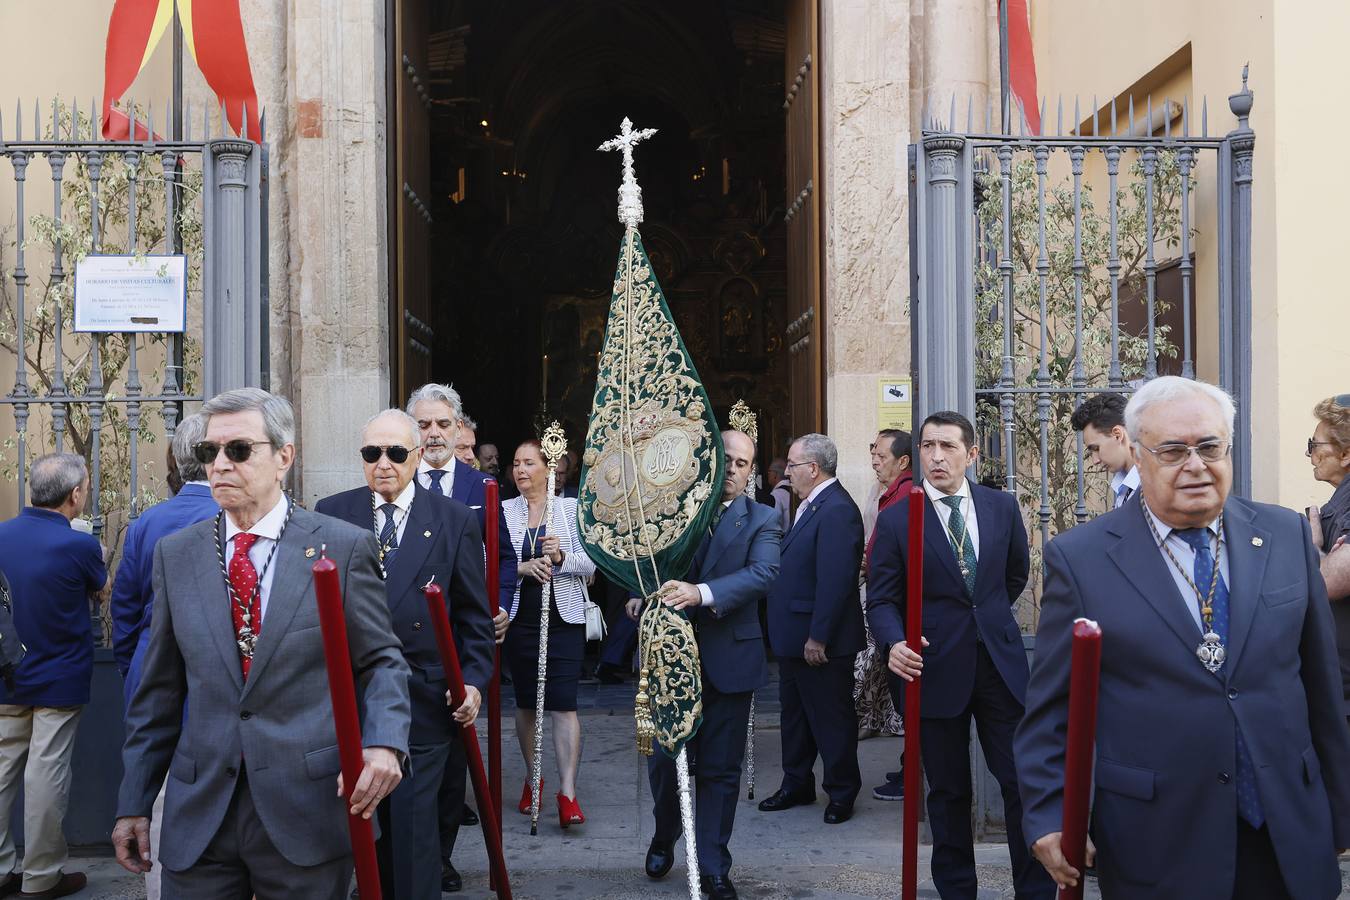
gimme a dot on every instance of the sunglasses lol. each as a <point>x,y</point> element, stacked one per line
<point>236,451</point>
<point>397,455</point>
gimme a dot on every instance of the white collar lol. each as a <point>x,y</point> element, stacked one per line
<point>815,492</point>
<point>403,501</point>
<point>1130,479</point>
<point>935,494</point>
<point>424,466</point>
<point>269,526</point>
<point>1163,529</point>
<point>204,483</point>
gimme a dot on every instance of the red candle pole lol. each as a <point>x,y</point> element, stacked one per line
<point>487,813</point>
<point>492,515</point>
<point>1083,681</point>
<point>909,868</point>
<point>342,689</point>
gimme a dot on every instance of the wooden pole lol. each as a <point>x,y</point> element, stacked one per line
<point>1085,674</point>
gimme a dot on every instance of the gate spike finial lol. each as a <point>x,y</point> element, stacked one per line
<point>1130,130</point>
<point>1043,102</point>
<point>970,111</point>
<point>1059,118</point>
<point>1186,116</point>
<point>243,122</point>
<point>262,126</point>
<point>1148,120</point>
<point>18,120</point>
<point>1095,110</point>
<point>1077,118</point>
<point>951,114</point>
<point>1115,128</point>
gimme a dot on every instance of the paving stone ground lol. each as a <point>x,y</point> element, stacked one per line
<point>788,855</point>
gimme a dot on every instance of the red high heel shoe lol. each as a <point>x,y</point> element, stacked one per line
<point>569,812</point>
<point>526,797</point>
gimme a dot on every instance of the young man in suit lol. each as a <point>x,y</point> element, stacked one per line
<point>1101,418</point>
<point>976,562</point>
<point>732,571</point>
<point>253,804</point>
<point>815,630</point>
<point>1216,775</point>
<point>421,536</point>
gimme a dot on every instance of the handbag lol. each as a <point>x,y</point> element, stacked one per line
<point>595,616</point>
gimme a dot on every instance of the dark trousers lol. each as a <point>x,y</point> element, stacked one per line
<point>715,762</point>
<point>818,719</point>
<point>620,643</point>
<point>452,792</point>
<point>1258,871</point>
<point>410,866</point>
<point>945,746</point>
<point>242,862</point>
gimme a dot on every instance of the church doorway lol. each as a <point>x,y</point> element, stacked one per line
<point>503,229</point>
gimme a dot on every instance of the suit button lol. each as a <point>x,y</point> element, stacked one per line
<point>1224,778</point>
<point>1232,693</point>
<point>246,715</point>
<point>417,626</point>
<point>230,772</point>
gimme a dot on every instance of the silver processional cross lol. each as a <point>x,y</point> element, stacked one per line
<point>630,194</point>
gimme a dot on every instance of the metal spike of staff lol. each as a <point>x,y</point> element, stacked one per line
<point>743,419</point>
<point>651,482</point>
<point>554,445</point>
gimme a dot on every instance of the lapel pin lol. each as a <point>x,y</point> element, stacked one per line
<point>426,534</point>
<point>1257,542</point>
<point>309,553</point>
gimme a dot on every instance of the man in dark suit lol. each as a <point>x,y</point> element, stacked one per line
<point>439,413</point>
<point>733,568</point>
<point>421,537</point>
<point>975,564</point>
<point>52,570</point>
<point>815,630</point>
<point>254,801</point>
<point>131,605</point>
<point>1216,776</point>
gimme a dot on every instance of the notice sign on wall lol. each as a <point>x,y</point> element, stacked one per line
<point>131,293</point>
<point>895,409</point>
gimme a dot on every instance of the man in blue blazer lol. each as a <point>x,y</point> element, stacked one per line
<point>815,630</point>
<point>1216,776</point>
<point>732,571</point>
<point>421,537</point>
<point>975,565</point>
<point>132,603</point>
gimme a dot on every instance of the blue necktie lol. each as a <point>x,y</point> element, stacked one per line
<point>388,535</point>
<point>1123,493</point>
<point>436,475</point>
<point>1249,802</point>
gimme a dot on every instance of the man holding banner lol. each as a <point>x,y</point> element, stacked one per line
<point>254,800</point>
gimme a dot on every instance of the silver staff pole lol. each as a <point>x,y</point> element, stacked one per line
<point>554,446</point>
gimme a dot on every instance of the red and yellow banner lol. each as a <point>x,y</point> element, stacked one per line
<point>213,33</point>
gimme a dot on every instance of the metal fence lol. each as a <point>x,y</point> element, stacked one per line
<point>1049,267</point>
<point>117,398</point>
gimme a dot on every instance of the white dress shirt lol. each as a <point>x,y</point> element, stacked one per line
<point>811,498</point>
<point>704,591</point>
<point>268,530</point>
<point>967,512</point>
<point>403,503</point>
<point>1129,481</point>
<point>447,483</point>
<point>1185,555</point>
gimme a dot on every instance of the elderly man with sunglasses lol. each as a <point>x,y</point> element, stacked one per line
<point>253,805</point>
<point>422,536</point>
<point>1221,745</point>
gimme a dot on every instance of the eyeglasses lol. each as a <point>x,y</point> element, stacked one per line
<point>398,455</point>
<point>1176,454</point>
<point>236,451</point>
<point>790,466</point>
<point>1312,443</point>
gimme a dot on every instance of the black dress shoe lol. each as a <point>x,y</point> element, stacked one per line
<point>835,813</point>
<point>451,883</point>
<point>785,799</point>
<point>718,887</point>
<point>468,817</point>
<point>660,857</point>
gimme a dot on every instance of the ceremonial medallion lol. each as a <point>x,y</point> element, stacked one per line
<point>1211,652</point>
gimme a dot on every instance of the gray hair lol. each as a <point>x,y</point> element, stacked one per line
<point>403,418</point>
<point>51,478</point>
<point>438,393</point>
<point>468,423</point>
<point>1168,388</point>
<point>819,449</point>
<point>191,431</point>
<point>277,415</point>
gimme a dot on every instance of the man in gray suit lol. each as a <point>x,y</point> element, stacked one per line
<point>1222,750</point>
<point>251,807</point>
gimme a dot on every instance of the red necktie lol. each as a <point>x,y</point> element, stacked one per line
<point>243,580</point>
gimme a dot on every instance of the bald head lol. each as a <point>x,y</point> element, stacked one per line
<point>740,458</point>
<point>396,420</point>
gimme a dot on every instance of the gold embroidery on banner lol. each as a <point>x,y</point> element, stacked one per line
<point>669,658</point>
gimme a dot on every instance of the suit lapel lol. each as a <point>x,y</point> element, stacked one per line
<point>216,605</point>
<point>1246,569</point>
<point>985,514</point>
<point>800,525</point>
<point>729,528</point>
<point>935,536</point>
<point>1137,556</point>
<point>292,583</point>
<point>418,535</point>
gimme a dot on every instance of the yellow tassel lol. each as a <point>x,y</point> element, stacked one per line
<point>642,711</point>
